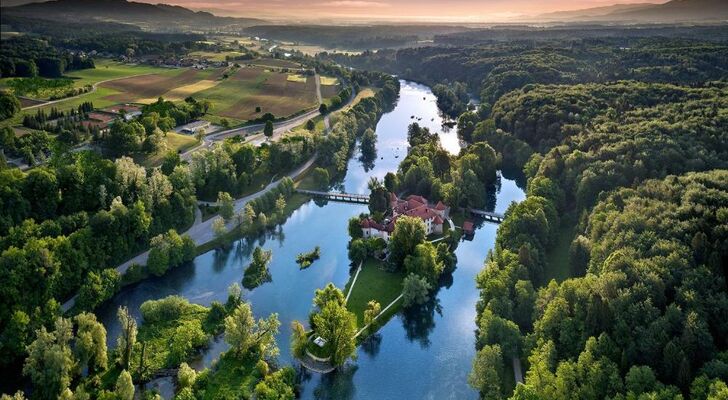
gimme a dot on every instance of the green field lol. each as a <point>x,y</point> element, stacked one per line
<point>373,283</point>
<point>109,69</point>
<point>558,266</point>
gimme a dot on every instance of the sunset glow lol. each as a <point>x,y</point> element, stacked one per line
<point>396,10</point>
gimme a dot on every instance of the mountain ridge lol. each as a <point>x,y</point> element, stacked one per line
<point>125,11</point>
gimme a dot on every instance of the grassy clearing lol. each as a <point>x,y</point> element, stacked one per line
<point>216,56</point>
<point>297,78</point>
<point>373,283</point>
<point>175,142</point>
<point>557,258</point>
<point>361,95</point>
<point>109,69</point>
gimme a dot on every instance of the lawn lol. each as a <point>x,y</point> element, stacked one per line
<point>373,283</point>
<point>238,96</point>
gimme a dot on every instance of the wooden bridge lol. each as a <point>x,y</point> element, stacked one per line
<point>487,215</point>
<point>344,197</point>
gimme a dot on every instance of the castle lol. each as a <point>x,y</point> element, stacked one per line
<point>413,206</point>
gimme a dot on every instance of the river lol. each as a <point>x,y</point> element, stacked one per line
<point>417,355</point>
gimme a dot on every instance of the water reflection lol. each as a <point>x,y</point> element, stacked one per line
<point>424,353</point>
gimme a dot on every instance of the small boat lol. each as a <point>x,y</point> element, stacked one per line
<point>397,156</point>
<point>412,117</point>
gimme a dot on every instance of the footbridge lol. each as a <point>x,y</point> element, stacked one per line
<point>488,215</point>
<point>336,196</point>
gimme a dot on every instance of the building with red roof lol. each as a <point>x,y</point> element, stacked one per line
<point>414,206</point>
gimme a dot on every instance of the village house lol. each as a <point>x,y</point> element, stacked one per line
<point>414,206</point>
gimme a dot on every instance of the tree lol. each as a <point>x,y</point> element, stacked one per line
<point>9,105</point>
<point>337,326</point>
<point>299,339</point>
<point>378,196</point>
<point>257,272</point>
<point>127,336</point>
<point>310,125</point>
<point>244,334</point>
<point>329,293</point>
<point>90,346</point>
<point>415,290</point>
<point>280,204</point>
<point>424,262</point>
<point>355,231</point>
<point>323,109</point>
<point>358,251</point>
<point>277,386</point>
<point>225,202</point>
<point>408,233</point>
<point>124,388</point>
<point>486,375</point>
<point>50,364</point>
<point>391,182</point>
<point>200,134</point>
<point>368,144</point>
<point>373,309</point>
<point>321,177</point>
<point>218,227</point>
<point>268,129</point>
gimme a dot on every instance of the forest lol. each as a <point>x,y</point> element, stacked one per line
<point>624,143</point>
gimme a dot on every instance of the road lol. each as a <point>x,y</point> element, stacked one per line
<point>253,133</point>
<point>201,231</point>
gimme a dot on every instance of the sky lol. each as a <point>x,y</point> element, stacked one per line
<point>412,10</point>
<point>387,10</point>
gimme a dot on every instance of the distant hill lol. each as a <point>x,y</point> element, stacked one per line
<point>160,16</point>
<point>671,11</point>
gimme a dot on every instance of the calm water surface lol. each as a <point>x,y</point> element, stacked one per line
<point>422,354</point>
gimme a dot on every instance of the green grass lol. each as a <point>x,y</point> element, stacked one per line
<point>109,69</point>
<point>373,283</point>
<point>557,257</point>
<point>175,142</point>
<point>231,378</point>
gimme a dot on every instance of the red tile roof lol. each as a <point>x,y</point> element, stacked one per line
<point>440,206</point>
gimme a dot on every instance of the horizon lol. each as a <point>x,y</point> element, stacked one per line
<point>432,11</point>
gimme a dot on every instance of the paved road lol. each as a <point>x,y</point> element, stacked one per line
<point>201,231</point>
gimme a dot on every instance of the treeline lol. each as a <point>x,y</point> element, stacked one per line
<point>336,147</point>
<point>350,37</point>
<point>62,225</point>
<point>627,327</point>
<point>494,69</point>
<point>24,56</point>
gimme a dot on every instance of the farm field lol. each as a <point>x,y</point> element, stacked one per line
<point>145,87</point>
<point>238,96</point>
<point>215,56</point>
